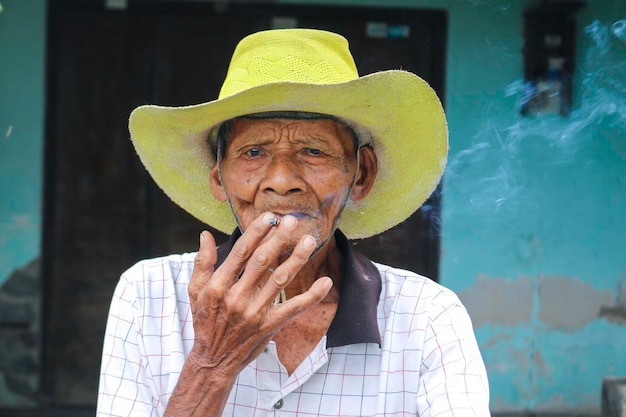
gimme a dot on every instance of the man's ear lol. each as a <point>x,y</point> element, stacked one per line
<point>216,185</point>
<point>368,169</point>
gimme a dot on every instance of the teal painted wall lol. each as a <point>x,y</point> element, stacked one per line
<point>533,228</point>
<point>22,62</point>
<point>533,224</point>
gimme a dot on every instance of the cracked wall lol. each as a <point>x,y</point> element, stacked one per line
<point>551,339</point>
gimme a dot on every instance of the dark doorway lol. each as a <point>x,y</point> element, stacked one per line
<point>103,212</point>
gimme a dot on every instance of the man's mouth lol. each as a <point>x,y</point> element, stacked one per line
<point>299,211</point>
<point>297,214</point>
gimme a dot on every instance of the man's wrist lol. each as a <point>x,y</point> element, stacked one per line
<point>201,390</point>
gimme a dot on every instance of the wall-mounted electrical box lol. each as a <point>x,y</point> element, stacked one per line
<point>549,56</point>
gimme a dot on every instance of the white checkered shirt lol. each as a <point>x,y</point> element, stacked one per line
<point>424,362</point>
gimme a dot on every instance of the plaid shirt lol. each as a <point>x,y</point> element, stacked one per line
<point>399,345</point>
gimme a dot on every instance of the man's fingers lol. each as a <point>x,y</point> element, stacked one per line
<point>286,272</point>
<point>267,255</point>
<point>304,301</point>
<point>243,249</point>
<point>245,283</point>
<point>204,264</point>
<point>215,284</point>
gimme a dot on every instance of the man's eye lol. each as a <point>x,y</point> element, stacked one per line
<point>253,152</point>
<point>313,151</point>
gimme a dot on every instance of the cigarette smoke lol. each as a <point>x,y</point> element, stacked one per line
<point>491,170</point>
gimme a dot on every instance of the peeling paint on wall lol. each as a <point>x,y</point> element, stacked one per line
<point>545,360</point>
<point>568,303</point>
<point>563,303</point>
<point>616,313</point>
<point>499,301</point>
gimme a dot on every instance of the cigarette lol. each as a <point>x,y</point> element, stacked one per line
<point>274,221</point>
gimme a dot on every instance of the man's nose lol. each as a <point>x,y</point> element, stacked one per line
<point>283,175</point>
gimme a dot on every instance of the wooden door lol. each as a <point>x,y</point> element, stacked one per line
<point>103,212</point>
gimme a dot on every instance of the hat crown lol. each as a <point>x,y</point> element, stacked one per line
<point>289,55</point>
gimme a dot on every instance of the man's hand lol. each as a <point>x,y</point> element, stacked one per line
<point>234,312</point>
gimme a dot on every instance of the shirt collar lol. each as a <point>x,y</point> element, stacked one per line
<point>356,318</point>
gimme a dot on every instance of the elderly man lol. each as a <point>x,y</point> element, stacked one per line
<point>297,155</point>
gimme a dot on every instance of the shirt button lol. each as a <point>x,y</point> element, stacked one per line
<point>279,404</point>
<point>266,350</point>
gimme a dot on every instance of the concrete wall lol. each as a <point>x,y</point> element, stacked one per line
<point>533,225</point>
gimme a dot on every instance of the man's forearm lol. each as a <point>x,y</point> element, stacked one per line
<point>199,392</point>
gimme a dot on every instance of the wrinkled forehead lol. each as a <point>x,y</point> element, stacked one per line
<point>221,133</point>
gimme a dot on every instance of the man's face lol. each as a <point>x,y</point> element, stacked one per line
<point>300,167</point>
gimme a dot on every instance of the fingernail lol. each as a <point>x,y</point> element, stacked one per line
<point>289,221</point>
<point>308,243</point>
<point>202,237</point>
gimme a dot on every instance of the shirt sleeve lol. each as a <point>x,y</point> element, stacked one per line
<point>453,379</point>
<point>125,387</point>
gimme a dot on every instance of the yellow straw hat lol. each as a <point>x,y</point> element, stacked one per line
<point>304,70</point>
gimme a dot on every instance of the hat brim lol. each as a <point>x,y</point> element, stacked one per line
<point>400,110</point>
